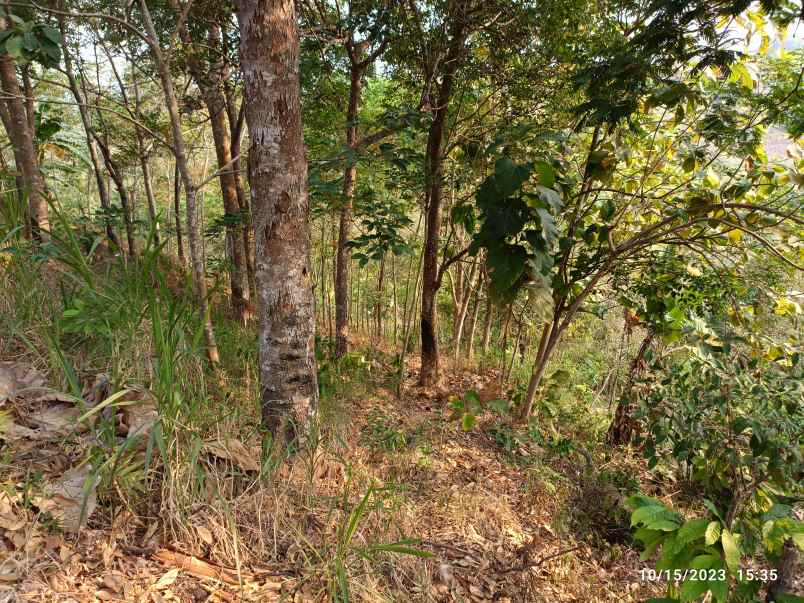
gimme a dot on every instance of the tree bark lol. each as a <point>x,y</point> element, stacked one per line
<point>623,428</point>
<point>786,572</point>
<point>269,54</point>
<point>177,213</point>
<point>470,336</point>
<point>180,153</point>
<point>22,137</point>
<point>209,79</point>
<point>144,164</point>
<point>466,296</point>
<point>487,323</point>
<point>83,111</point>
<point>345,223</point>
<point>433,179</point>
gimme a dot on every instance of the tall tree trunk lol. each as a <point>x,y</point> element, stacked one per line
<point>378,301</point>
<point>180,153</point>
<point>209,79</point>
<point>342,257</point>
<point>149,194</point>
<point>22,137</point>
<point>236,120</point>
<point>433,181</point>
<point>269,54</point>
<point>116,173</point>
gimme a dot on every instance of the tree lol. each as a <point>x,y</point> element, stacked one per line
<point>209,69</point>
<point>25,41</point>
<point>269,56</point>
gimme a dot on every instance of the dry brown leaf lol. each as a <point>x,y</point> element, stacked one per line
<point>205,534</point>
<point>167,579</point>
<point>11,522</point>
<point>200,568</point>
<point>232,449</point>
<point>139,414</point>
<point>51,421</point>
<point>66,497</point>
<point>17,378</point>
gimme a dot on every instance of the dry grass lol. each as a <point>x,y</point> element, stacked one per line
<point>493,528</point>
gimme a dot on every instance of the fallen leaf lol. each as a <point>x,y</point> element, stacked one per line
<point>235,451</point>
<point>205,534</point>
<point>70,499</point>
<point>200,568</point>
<point>167,579</point>
<point>17,378</point>
<point>138,414</point>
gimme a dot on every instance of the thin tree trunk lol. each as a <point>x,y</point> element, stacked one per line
<point>180,153</point>
<point>487,323</point>
<point>433,178</point>
<point>378,302</point>
<point>177,213</point>
<point>269,54</point>
<point>22,137</point>
<point>345,219</point>
<point>470,344</point>
<point>145,165</point>
<point>103,192</point>
<point>466,296</point>
<point>209,78</point>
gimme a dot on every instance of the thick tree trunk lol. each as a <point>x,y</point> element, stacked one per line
<point>269,54</point>
<point>433,180</point>
<point>623,428</point>
<point>342,258</point>
<point>196,258</point>
<point>22,137</point>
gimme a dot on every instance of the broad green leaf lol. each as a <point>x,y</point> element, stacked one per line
<point>731,551</point>
<point>712,534</point>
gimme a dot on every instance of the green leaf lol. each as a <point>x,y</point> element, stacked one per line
<point>712,534</point>
<point>468,421</point>
<point>14,46</point>
<point>546,173</point>
<point>712,508</point>
<point>400,548</point>
<point>692,530</point>
<point>692,589</point>
<point>655,518</point>
<point>788,598</point>
<point>731,551</point>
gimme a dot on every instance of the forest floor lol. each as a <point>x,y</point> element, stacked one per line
<point>498,521</point>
